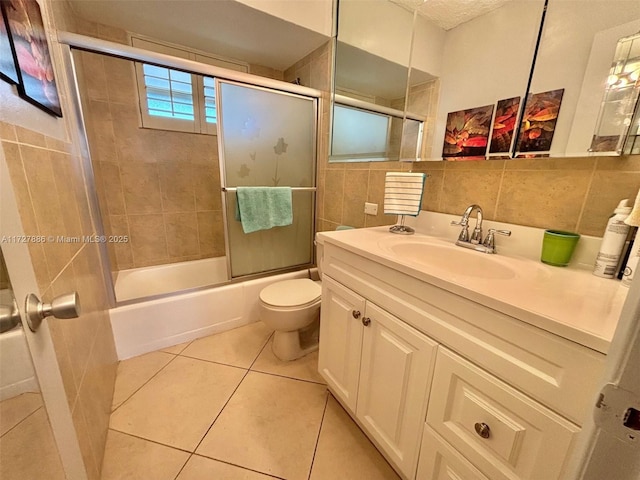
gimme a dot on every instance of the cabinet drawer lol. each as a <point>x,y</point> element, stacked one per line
<point>504,433</point>
<point>439,461</point>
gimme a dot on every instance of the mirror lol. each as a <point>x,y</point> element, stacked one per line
<point>484,68</point>
<point>617,128</point>
<point>577,50</point>
<point>467,81</point>
<point>371,70</point>
<point>457,63</point>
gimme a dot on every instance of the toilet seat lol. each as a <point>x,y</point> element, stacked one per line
<point>296,293</point>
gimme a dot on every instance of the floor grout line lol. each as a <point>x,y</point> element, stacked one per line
<point>152,441</point>
<point>290,378</point>
<point>232,394</point>
<point>221,410</point>
<point>23,419</point>
<point>237,465</point>
<point>213,361</point>
<point>184,465</point>
<point>261,350</point>
<point>113,410</point>
<point>315,448</point>
<point>193,452</point>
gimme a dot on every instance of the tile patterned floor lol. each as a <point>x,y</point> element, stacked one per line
<point>23,425</point>
<point>224,407</point>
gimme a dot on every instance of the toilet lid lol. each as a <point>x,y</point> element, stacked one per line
<point>291,293</point>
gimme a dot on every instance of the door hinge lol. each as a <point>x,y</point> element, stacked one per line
<point>617,412</point>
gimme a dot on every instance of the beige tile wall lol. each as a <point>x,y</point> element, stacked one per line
<point>49,186</point>
<point>575,194</point>
<point>159,188</point>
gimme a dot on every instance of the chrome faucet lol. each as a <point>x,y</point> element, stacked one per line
<point>476,237</point>
<point>475,242</point>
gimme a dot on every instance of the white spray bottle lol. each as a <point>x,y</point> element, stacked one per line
<point>613,241</point>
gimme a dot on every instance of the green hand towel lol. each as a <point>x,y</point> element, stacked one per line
<point>262,208</point>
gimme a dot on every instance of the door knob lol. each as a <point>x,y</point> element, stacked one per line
<point>366,321</point>
<point>9,316</point>
<point>356,313</point>
<point>64,306</point>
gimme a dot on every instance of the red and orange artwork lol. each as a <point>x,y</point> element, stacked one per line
<point>539,121</point>
<point>504,124</point>
<point>26,31</point>
<point>467,133</point>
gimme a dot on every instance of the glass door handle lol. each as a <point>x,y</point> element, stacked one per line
<point>64,306</point>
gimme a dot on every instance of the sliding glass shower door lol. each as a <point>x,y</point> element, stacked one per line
<point>267,138</point>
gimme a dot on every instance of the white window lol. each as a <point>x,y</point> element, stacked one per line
<point>359,135</point>
<point>175,100</point>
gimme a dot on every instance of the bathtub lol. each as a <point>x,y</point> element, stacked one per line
<point>153,324</point>
<point>16,370</point>
<point>161,279</point>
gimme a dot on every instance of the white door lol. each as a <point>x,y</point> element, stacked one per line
<point>341,340</point>
<point>23,282</point>
<point>612,449</point>
<point>395,375</point>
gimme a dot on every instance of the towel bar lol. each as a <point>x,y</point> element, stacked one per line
<point>303,189</point>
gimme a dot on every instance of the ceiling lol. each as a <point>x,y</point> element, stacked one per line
<point>223,27</point>
<point>448,14</point>
<point>232,29</point>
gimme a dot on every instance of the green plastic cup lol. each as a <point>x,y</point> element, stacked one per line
<point>558,247</point>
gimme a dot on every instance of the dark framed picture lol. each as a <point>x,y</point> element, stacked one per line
<point>504,124</point>
<point>467,134</point>
<point>539,121</point>
<point>8,70</point>
<point>36,83</point>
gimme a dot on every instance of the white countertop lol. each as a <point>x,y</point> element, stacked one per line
<point>569,302</point>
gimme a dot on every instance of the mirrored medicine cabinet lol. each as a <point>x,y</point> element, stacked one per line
<point>528,78</point>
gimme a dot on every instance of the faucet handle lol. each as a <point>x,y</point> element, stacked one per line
<point>489,242</point>
<point>464,234</point>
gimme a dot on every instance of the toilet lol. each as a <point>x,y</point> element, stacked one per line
<point>292,309</point>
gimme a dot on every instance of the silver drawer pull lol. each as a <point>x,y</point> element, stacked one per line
<point>483,430</point>
<point>356,313</point>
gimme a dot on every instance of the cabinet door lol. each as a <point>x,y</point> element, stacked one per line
<point>341,340</point>
<point>395,375</point>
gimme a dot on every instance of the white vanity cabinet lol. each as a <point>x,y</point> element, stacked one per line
<point>474,392</point>
<point>379,368</point>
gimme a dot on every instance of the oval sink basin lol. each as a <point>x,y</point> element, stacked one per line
<point>452,259</point>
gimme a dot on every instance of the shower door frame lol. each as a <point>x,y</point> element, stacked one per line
<point>69,41</point>
<point>225,189</point>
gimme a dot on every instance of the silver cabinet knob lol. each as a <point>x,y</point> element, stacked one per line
<point>483,430</point>
<point>64,306</point>
<point>366,321</point>
<point>356,313</point>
